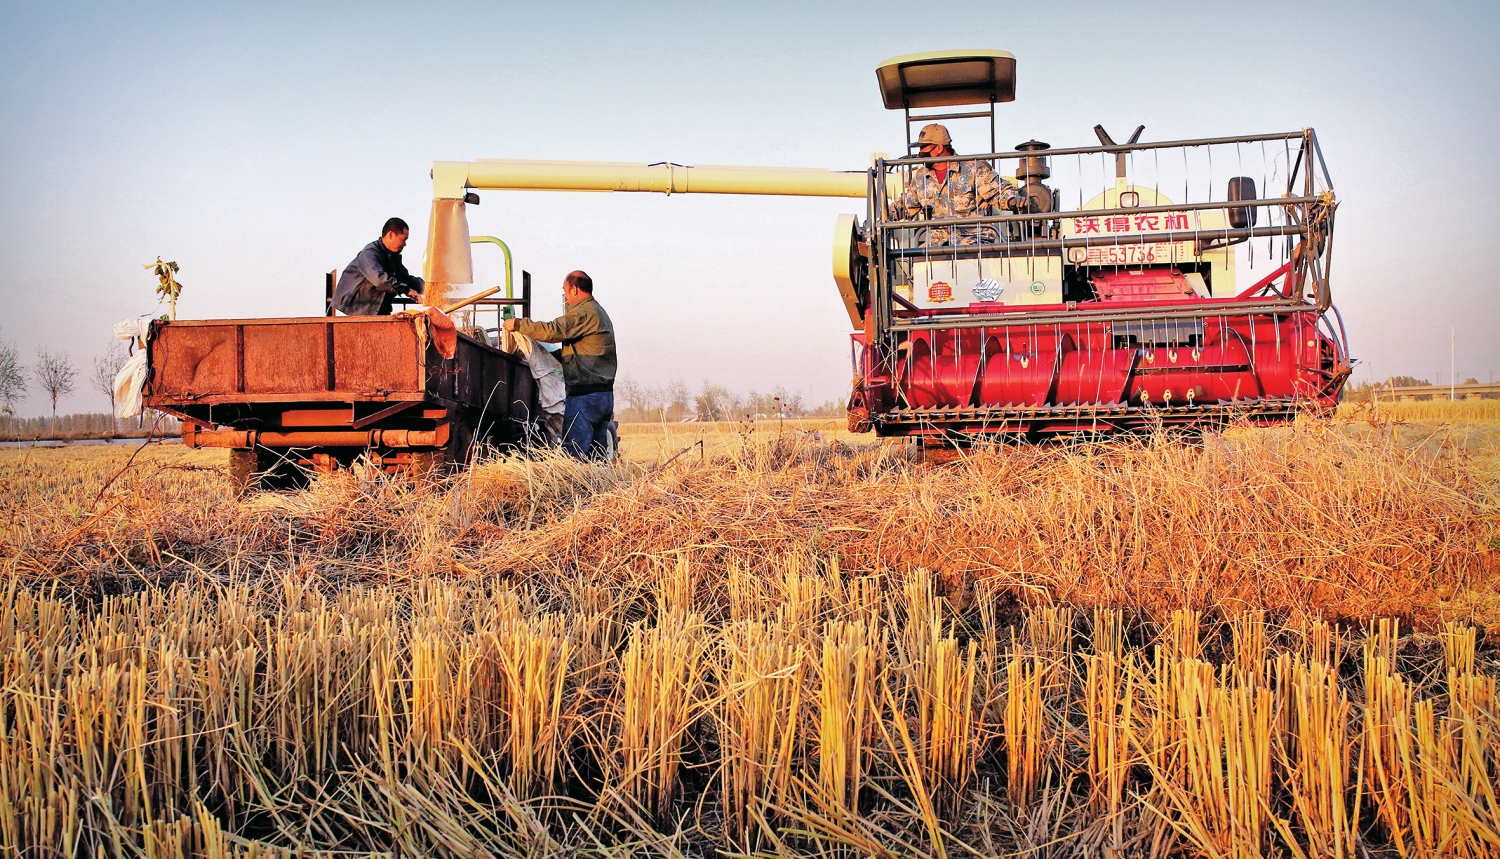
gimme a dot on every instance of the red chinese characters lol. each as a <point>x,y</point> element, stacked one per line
<point>1143,223</point>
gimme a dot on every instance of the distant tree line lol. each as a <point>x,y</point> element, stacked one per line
<point>87,425</point>
<point>54,376</point>
<point>1364,391</point>
<point>675,401</point>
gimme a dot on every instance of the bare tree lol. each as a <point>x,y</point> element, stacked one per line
<point>788,403</point>
<point>677,398</point>
<point>628,395</point>
<point>717,403</point>
<point>103,377</point>
<point>55,374</point>
<point>12,377</point>
<point>652,403</point>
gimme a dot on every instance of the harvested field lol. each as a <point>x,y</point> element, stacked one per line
<point>786,640</point>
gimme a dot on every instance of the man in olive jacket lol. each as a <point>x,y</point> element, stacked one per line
<point>588,360</point>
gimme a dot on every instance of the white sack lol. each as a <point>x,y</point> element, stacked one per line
<point>548,372</point>
<point>128,383</point>
<point>132,376</point>
<point>134,329</point>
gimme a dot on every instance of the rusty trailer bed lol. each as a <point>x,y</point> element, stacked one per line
<point>324,391</point>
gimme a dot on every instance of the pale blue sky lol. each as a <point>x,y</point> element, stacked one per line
<point>261,145</point>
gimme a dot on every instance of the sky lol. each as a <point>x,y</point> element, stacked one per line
<point>261,145</point>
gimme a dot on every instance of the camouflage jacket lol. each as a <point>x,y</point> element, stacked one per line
<point>971,189</point>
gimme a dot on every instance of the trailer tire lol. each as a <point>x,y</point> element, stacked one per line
<point>263,468</point>
<point>279,469</point>
<point>435,463</point>
<point>428,464</point>
<point>242,470</point>
<point>461,437</point>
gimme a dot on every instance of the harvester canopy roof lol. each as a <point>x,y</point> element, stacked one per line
<point>942,78</point>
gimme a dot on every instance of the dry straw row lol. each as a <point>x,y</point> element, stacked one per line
<point>545,658</point>
<point>472,719</point>
<point>1343,520</point>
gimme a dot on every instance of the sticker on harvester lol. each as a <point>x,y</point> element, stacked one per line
<point>987,289</point>
<point>939,291</point>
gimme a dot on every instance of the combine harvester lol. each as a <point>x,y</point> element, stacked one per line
<point>1128,310</point>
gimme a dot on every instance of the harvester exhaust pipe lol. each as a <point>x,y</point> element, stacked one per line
<point>1031,171</point>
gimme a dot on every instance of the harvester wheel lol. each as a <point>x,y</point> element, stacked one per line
<point>941,455</point>
<point>858,413</point>
<point>943,450</point>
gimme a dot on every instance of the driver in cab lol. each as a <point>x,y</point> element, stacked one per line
<point>954,189</point>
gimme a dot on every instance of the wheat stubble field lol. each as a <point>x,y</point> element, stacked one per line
<point>784,641</point>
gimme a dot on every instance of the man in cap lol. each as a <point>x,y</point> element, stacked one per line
<point>589,363</point>
<point>376,275</point>
<point>954,189</point>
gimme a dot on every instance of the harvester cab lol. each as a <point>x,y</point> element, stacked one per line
<point>1120,286</point>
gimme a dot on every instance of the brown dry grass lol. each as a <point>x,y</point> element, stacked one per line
<point>785,643</point>
<point>1343,521</point>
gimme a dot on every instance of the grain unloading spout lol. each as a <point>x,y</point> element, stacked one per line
<point>450,179</point>
<point>448,235</point>
<point>449,260</point>
<point>933,79</point>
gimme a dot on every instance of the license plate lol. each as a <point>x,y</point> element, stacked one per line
<point>1147,254</point>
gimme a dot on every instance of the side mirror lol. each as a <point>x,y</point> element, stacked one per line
<point>1242,188</point>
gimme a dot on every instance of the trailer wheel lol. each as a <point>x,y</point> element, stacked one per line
<point>263,468</point>
<point>435,463</point>
<point>278,469</point>
<point>461,437</point>
<point>242,467</point>
<point>428,464</point>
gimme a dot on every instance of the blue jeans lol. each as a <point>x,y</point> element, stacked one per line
<point>586,420</point>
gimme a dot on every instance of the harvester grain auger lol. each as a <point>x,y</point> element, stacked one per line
<point>1105,305</point>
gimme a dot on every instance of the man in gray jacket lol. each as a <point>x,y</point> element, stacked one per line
<point>376,276</point>
<point>588,359</point>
